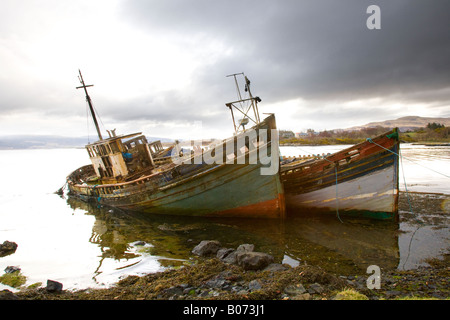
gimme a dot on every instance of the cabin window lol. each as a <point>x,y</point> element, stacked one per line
<point>103,150</point>
<point>108,166</point>
<point>114,147</point>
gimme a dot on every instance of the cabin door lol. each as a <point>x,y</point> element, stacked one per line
<point>108,166</point>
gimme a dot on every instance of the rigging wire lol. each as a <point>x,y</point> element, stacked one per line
<point>87,121</point>
<point>97,115</point>
<point>370,140</point>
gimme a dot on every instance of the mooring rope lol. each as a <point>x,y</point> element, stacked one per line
<point>336,176</point>
<point>371,141</point>
<point>403,173</point>
<point>403,170</point>
<point>404,182</point>
<point>337,199</point>
<point>420,223</point>
<point>401,162</point>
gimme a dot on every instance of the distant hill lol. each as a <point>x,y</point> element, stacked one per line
<point>49,141</point>
<point>41,142</point>
<point>405,123</point>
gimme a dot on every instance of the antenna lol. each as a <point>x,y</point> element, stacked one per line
<point>245,111</point>
<point>237,85</point>
<point>88,99</point>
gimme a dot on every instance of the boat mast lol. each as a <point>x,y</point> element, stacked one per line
<point>88,99</point>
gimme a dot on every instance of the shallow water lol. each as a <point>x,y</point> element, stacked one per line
<point>87,246</point>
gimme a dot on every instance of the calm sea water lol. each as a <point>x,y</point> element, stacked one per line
<point>88,246</point>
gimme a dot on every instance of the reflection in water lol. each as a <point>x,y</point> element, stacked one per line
<point>343,248</point>
<point>324,241</point>
<point>338,247</point>
<point>128,243</point>
<point>425,230</point>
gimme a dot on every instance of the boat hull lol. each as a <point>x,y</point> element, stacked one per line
<point>211,190</point>
<point>226,190</point>
<point>361,180</point>
<point>232,189</point>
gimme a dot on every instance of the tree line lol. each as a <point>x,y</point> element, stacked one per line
<point>433,132</point>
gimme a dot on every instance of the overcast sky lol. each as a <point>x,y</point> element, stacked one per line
<point>160,66</point>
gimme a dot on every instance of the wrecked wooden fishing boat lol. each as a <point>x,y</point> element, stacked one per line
<point>361,180</point>
<point>225,180</point>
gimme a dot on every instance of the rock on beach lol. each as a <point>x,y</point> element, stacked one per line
<point>206,248</point>
<point>7,248</point>
<point>244,256</point>
<point>54,286</point>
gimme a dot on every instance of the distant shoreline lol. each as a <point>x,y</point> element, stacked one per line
<point>290,144</point>
<point>426,143</point>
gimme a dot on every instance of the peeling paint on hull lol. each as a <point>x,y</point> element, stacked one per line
<point>223,190</point>
<point>375,196</point>
<point>361,180</point>
<point>229,189</point>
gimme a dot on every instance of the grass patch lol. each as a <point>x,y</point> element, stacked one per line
<point>14,279</point>
<point>350,294</point>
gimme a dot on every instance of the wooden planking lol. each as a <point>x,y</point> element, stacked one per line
<point>374,191</point>
<point>365,177</point>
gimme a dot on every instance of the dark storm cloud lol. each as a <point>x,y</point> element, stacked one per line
<point>167,106</point>
<point>307,57</point>
<point>316,49</point>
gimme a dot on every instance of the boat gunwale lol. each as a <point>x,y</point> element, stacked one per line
<point>147,177</point>
<point>363,162</point>
<point>341,154</point>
